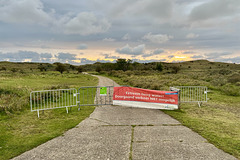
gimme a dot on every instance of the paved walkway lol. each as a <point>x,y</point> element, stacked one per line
<point>122,133</point>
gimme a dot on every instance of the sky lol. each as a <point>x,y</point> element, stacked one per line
<point>89,31</point>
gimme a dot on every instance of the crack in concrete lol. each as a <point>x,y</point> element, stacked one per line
<point>108,124</point>
<point>131,144</point>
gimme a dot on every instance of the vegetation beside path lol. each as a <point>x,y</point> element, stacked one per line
<point>218,120</point>
<point>21,129</point>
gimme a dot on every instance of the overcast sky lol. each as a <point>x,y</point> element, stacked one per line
<point>86,31</point>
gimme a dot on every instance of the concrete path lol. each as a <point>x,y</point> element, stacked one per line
<point>122,133</point>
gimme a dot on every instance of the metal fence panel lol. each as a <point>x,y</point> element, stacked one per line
<point>51,99</point>
<point>193,93</point>
<point>97,95</point>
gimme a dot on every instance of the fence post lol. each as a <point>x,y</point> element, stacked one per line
<point>179,92</point>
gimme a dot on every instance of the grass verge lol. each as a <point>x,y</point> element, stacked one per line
<point>21,129</point>
<point>25,131</point>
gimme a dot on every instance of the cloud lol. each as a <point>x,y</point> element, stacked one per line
<point>159,9</point>
<point>24,11</point>
<point>197,57</point>
<point>109,56</point>
<point>82,46</point>
<point>229,60</point>
<point>86,61</point>
<point>215,9</point>
<point>109,40</point>
<point>126,37</point>
<point>21,56</point>
<point>157,38</point>
<point>215,55</point>
<point>153,53</point>
<point>46,55</point>
<point>86,23</point>
<point>158,51</point>
<point>64,57</point>
<point>134,51</point>
<point>171,56</point>
<point>34,12</point>
<point>144,8</point>
<point>189,52</point>
<point>192,36</point>
<point>148,61</point>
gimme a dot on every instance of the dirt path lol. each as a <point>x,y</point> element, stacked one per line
<point>122,133</point>
<point>103,81</point>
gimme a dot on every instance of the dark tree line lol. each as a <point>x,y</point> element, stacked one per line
<point>124,65</point>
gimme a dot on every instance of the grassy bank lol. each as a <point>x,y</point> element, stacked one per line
<point>21,129</point>
<point>218,120</point>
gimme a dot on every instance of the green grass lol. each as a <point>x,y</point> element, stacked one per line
<point>21,129</point>
<point>218,120</point>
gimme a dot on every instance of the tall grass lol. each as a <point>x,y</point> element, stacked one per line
<point>21,129</point>
<point>15,88</point>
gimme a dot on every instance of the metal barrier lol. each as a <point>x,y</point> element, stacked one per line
<point>95,96</point>
<point>51,99</point>
<point>192,93</point>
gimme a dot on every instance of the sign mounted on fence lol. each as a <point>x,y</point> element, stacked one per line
<point>103,91</point>
<point>144,98</point>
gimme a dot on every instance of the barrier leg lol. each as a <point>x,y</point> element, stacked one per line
<point>38,113</point>
<point>199,104</point>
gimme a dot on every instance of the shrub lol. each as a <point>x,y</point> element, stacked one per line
<point>234,78</point>
<point>225,72</point>
<point>231,90</point>
<point>3,69</point>
<point>13,99</point>
<point>14,70</point>
<point>219,81</point>
<point>175,69</point>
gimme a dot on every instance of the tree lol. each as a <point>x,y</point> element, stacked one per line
<point>80,69</point>
<point>60,68</point>
<point>135,65</point>
<point>98,68</point>
<point>108,66</point>
<point>42,68</point>
<point>72,67</point>
<point>123,64</point>
<point>159,67</point>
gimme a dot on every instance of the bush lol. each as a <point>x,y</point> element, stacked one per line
<point>219,81</point>
<point>3,69</point>
<point>225,72</point>
<point>175,69</point>
<point>12,100</point>
<point>14,70</point>
<point>234,78</point>
<point>231,90</point>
